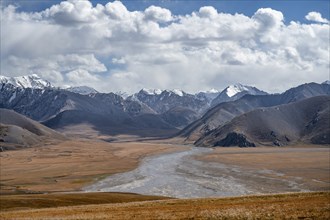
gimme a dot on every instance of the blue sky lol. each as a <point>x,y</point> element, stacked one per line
<point>292,9</point>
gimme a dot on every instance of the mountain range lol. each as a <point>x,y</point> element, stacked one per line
<point>305,121</point>
<point>203,118</point>
<point>227,111</point>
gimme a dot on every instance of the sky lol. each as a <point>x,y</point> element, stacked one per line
<point>169,44</point>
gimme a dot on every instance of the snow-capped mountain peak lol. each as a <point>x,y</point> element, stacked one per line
<point>177,92</point>
<point>237,88</point>
<point>29,81</point>
<point>326,82</point>
<point>236,91</point>
<point>212,91</point>
<point>152,91</point>
<point>83,90</point>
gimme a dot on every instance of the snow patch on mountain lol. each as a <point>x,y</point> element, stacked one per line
<point>234,92</point>
<point>177,92</point>
<point>212,91</point>
<point>152,91</point>
<point>125,95</point>
<point>29,81</point>
<point>237,88</point>
<point>83,90</point>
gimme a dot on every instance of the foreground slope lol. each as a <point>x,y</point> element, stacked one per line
<point>18,131</point>
<point>281,206</point>
<point>305,121</point>
<point>224,112</point>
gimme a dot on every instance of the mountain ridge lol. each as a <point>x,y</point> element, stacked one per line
<point>306,121</point>
<point>226,111</point>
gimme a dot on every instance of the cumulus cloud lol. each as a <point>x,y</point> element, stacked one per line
<point>73,11</point>
<point>80,76</point>
<point>116,10</point>
<point>158,14</point>
<point>268,18</point>
<point>208,12</point>
<point>316,16</point>
<point>111,48</point>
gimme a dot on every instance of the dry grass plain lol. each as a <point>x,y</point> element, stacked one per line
<point>310,164</point>
<point>71,164</point>
<point>282,206</point>
<point>37,201</point>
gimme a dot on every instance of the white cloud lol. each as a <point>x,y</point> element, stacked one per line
<point>112,48</point>
<point>316,16</point>
<point>81,77</point>
<point>208,12</point>
<point>158,14</point>
<point>268,18</point>
<point>116,10</point>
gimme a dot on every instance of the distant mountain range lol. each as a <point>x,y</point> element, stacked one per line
<point>25,94</point>
<point>153,112</point>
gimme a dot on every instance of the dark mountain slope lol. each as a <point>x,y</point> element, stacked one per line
<point>179,116</point>
<point>143,125</point>
<point>224,112</point>
<point>304,121</point>
<point>106,113</point>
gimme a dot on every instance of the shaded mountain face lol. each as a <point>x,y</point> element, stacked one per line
<point>175,107</point>
<point>41,105</point>
<point>306,121</point>
<point>17,131</point>
<point>224,112</point>
<point>105,113</point>
<point>234,92</point>
<point>179,116</point>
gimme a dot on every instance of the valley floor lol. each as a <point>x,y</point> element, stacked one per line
<point>167,168</point>
<point>70,165</point>
<point>276,169</point>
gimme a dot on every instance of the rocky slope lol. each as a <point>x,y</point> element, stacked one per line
<point>306,121</point>
<point>225,112</point>
<point>106,113</point>
<point>163,100</point>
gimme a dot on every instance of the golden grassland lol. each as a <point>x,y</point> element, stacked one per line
<point>36,201</point>
<point>72,164</point>
<point>282,206</point>
<point>310,164</point>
